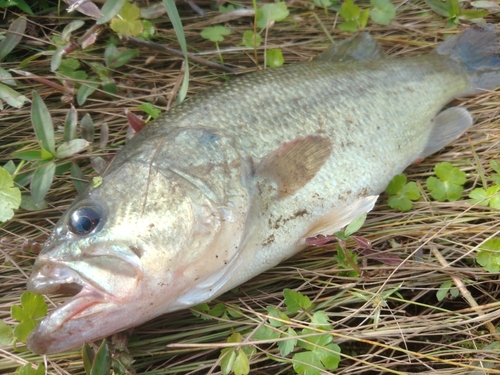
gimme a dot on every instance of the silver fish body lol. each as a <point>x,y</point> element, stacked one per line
<point>232,182</point>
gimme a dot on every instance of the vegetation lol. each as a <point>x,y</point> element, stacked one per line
<point>412,290</point>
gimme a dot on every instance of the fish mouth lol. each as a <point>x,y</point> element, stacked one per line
<point>87,315</point>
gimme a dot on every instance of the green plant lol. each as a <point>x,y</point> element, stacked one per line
<point>449,184</point>
<point>488,255</point>
<point>31,308</point>
<point>10,196</point>
<point>97,363</point>
<point>453,13</point>
<point>216,34</point>
<point>401,193</point>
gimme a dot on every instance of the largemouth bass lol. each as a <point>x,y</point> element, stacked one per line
<point>233,181</point>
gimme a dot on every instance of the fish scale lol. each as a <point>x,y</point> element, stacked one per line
<point>233,181</point>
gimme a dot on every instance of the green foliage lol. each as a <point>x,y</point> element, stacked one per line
<point>220,310</point>
<point>274,58</point>
<point>270,13</point>
<point>451,10</point>
<point>8,95</point>
<point>296,301</point>
<point>6,334</point>
<point>27,369</point>
<point>150,109</point>
<point>446,288</point>
<point>320,353</point>
<point>401,193</point>
<point>128,21</point>
<point>355,18</point>
<point>10,196</point>
<point>32,307</point>
<point>449,185</point>
<point>235,359</point>
<point>21,4</point>
<point>97,363</point>
<point>251,39</point>
<point>13,37</point>
<point>46,161</point>
<point>489,197</point>
<point>383,12</point>
<point>489,255</point>
<point>215,33</point>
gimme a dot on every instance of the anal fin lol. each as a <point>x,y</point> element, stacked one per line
<point>339,217</point>
<point>447,126</point>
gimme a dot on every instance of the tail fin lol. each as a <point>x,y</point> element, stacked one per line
<point>478,49</point>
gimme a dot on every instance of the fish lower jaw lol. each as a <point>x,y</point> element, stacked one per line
<point>58,326</point>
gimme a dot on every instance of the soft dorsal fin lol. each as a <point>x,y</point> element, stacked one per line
<point>339,217</point>
<point>295,163</point>
<point>446,127</point>
<point>360,47</point>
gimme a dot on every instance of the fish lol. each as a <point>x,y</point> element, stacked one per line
<point>233,181</point>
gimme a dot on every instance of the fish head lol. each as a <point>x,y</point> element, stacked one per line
<point>128,250</point>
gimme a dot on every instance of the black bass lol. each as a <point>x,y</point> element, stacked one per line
<point>233,181</point>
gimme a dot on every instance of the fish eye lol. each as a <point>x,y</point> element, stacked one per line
<point>84,220</point>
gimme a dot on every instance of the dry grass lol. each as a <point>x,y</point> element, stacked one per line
<point>414,331</point>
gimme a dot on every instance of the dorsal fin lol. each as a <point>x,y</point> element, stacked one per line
<point>360,47</point>
<point>295,163</point>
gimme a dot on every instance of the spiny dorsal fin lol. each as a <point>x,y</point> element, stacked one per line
<point>360,47</point>
<point>295,163</point>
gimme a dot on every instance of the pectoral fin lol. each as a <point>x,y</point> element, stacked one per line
<point>447,126</point>
<point>295,163</point>
<point>360,47</point>
<point>339,217</point>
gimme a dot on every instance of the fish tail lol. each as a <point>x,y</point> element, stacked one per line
<point>478,49</point>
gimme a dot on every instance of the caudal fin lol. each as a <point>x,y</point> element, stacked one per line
<point>478,49</point>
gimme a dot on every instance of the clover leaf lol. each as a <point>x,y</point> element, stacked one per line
<point>449,185</point>
<point>401,193</point>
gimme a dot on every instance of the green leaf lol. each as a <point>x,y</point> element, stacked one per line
<point>215,33</point>
<point>274,58</point>
<point>102,361</point>
<point>129,22</point>
<point>86,89</point>
<point>6,78</point>
<point>32,307</point>
<point>10,167</point>
<point>27,369</point>
<point>402,193</point>
<point>6,334</point>
<point>12,97</point>
<point>173,14</point>
<point>150,109</point>
<point>10,196</point>
<point>70,124</point>
<point>265,332</point>
<point>240,364</point>
<point>78,178</point>
<point>70,148</point>
<point>111,8</point>
<point>273,312</point>
<point>349,26</point>
<point>323,3</point>
<point>489,255</point>
<point>88,357</point>
<point>115,58</point>
<point>296,301</point>
<point>349,11</point>
<point>449,185</point>
<point>228,356</point>
<point>28,203</point>
<point>13,37</point>
<point>355,225</point>
<point>443,290</point>
<point>87,128</point>
<point>68,30</point>
<point>42,122</point>
<point>21,4</point>
<point>271,12</point>
<point>470,14</point>
<point>41,181</point>
<point>439,7</point>
<point>287,346</point>
<point>251,40</point>
<point>383,12</point>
